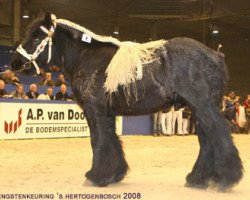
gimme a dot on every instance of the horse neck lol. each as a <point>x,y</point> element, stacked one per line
<point>65,49</point>
<point>71,52</point>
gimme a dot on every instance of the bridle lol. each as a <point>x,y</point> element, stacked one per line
<point>40,48</point>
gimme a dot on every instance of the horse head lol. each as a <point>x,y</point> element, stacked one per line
<point>36,46</point>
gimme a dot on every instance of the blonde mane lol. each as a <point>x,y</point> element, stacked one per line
<point>100,38</point>
<point>127,64</point>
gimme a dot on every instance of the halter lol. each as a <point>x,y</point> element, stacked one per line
<point>40,48</point>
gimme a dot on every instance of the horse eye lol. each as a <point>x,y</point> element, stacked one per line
<point>36,40</point>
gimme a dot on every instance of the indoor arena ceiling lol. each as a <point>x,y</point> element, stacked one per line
<point>139,19</point>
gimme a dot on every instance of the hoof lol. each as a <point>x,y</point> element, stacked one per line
<point>221,184</point>
<point>220,188</point>
<point>88,183</point>
<point>97,180</point>
<point>194,185</point>
<point>196,181</point>
<point>102,180</point>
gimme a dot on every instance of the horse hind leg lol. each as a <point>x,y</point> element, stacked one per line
<point>218,153</point>
<point>227,165</point>
<point>203,168</point>
<point>197,75</point>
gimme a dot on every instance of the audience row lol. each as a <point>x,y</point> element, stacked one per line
<point>19,93</point>
<point>9,78</point>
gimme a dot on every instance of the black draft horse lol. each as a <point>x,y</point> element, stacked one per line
<point>188,70</point>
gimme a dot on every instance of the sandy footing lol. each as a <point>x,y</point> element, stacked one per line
<point>158,167</point>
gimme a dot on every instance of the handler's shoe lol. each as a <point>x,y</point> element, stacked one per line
<point>167,134</point>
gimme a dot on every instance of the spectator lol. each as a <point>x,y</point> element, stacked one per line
<point>54,68</point>
<point>240,116</point>
<point>186,115</point>
<point>157,124</point>
<point>177,116</point>
<point>47,81</point>
<point>230,114</point>
<point>14,78</point>
<point>60,80</point>
<point>9,77</point>
<point>48,95</point>
<point>3,92</point>
<point>230,111</point>
<point>6,76</point>
<point>230,100</point>
<point>166,121</point>
<point>247,107</point>
<point>192,124</point>
<point>223,104</point>
<point>62,94</point>
<point>32,94</point>
<point>19,93</point>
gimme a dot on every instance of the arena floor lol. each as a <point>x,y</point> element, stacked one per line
<point>158,166</point>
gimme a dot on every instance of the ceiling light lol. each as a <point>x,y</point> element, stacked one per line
<point>26,14</point>
<point>215,30</point>
<point>116,31</point>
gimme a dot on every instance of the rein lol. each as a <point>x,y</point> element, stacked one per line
<point>26,65</point>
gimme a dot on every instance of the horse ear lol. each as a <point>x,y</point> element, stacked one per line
<point>47,19</point>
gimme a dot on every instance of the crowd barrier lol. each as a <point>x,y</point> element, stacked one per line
<point>30,119</point>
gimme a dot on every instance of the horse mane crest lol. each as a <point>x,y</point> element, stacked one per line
<point>99,38</point>
<point>127,64</point>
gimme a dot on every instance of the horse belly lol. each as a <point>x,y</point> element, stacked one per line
<point>150,96</point>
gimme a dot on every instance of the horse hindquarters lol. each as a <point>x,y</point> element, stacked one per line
<point>109,164</point>
<point>197,76</point>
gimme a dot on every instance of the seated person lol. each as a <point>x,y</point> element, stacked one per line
<point>19,93</point>
<point>47,81</point>
<point>60,80</point>
<point>48,95</point>
<point>14,78</point>
<point>3,92</point>
<point>54,68</point>
<point>32,94</point>
<point>62,94</point>
<point>9,77</point>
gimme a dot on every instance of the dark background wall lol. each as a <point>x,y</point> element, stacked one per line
<point>237,56</point>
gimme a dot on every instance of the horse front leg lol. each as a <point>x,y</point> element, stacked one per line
<point>108,164</point>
